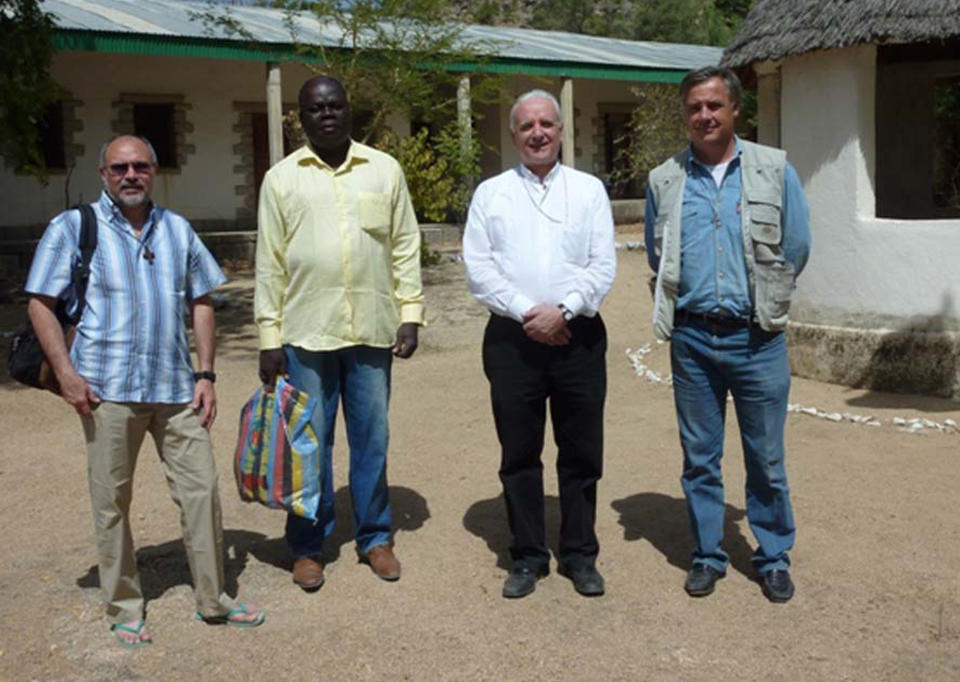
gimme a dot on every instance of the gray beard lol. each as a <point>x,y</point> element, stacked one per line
<point>129,202</point>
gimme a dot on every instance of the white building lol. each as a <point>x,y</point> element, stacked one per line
<point>211,103</point>
<point>865,99</point>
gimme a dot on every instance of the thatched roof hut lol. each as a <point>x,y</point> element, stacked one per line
<point>775,29</point>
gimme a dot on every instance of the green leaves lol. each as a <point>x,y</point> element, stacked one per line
<point>26,88</point>
<point>428,177</point>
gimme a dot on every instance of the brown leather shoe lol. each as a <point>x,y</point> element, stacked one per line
<point>308,573</point>
<point>383,562</point>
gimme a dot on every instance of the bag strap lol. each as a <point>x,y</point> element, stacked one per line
<point>88,244</point>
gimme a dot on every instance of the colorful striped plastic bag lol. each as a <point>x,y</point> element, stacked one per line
<point>278,453</point>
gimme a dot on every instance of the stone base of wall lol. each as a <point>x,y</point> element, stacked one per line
<point>627,211</point>
<point>924,362</point>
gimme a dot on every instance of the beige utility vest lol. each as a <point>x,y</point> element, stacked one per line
<point>771,278</point>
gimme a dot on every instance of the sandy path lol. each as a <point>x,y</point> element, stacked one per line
<point>877,564</point>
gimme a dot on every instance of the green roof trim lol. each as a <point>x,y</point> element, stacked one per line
<point>218,48</point>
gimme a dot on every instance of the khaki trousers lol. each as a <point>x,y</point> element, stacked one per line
<point>114,435</point>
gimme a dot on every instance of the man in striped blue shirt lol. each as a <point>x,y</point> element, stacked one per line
<point>129,372</point>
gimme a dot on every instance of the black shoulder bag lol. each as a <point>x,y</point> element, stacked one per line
<point>27,363</point>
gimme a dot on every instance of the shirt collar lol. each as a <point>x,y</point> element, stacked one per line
<point>356,153</point>
<point>112,211</point>
<point>530,176</point>
<point>692,159</point>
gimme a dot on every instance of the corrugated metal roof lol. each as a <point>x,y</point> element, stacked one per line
<point>172,19</point>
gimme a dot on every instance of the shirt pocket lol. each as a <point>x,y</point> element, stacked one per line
<point>374,211</point>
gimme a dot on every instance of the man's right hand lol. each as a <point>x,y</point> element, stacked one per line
<point>77,393</point>
<point>272,363</point>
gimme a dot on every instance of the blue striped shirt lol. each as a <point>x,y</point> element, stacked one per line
<point>131,343</point>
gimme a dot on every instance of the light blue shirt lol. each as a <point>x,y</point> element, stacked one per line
<point>131,343</point>
<point>713,275</point>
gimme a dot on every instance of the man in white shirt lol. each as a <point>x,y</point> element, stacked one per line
<point>539,253</point>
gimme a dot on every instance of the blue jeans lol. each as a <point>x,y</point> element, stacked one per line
<point>360,375</point>
<point>708,361</point>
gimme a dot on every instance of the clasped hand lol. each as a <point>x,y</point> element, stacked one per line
<point>545,324</point>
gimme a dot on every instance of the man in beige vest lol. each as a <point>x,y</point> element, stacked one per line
<point>727,233</point>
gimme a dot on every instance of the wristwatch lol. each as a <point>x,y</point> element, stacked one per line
<point>566,312</point>
<point>197,376</point>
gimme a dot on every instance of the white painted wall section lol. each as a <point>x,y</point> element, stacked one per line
<point>863,271</point>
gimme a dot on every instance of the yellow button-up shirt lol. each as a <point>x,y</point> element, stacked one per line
<point>338,252</point>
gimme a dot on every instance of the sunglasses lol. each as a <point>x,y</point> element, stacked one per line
<point>139,167</point>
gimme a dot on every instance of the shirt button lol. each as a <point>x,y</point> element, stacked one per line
<point>720,249</point>
<point>720,275</point>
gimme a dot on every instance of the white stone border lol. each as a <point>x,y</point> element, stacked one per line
<point>906,425</point>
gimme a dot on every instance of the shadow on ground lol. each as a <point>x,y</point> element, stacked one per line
<point>163,567</point>
<point>662,521</point>
<point>487,519</point>
<point>903,401</point>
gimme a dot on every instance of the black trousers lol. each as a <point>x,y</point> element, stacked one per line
<point>523,374</point>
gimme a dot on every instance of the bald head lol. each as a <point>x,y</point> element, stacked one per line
<point>325,117</point>
<point>326,81</point>
<point>127,167</point>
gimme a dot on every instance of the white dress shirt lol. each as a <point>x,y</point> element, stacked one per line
<point>529,242</point>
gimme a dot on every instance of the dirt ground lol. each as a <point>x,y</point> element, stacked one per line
<point>877,564</point>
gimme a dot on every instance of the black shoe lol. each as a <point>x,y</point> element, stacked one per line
<point>701,579</point>
<point>777,586</point>
<point>586,579</point>
<point>522,580</point>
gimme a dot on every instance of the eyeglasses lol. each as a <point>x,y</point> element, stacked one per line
<point>139,167</point>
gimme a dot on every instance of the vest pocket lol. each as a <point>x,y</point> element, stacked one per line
<point>765,232</point>
<point>774,282</point>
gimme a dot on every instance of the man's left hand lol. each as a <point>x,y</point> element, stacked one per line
<point>205,401</point>
<point>406,340</point>
<point>545,324</point>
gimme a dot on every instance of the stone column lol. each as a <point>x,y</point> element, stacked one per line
<point>274,113</point>
<point>566,110</point>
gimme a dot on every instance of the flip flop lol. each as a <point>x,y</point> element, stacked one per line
<point>228,618</point>
<point>134,630</point>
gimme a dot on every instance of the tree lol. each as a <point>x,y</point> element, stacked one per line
<point>26,87</point>
<point>392,56</point>
<point>699,22</point>
<point>655,132</point>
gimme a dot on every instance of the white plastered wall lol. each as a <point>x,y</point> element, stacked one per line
<point>863,271</point>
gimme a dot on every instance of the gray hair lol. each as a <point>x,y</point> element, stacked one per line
<point>103,148</point>
<point>703,74</point>
<point>534,94</point>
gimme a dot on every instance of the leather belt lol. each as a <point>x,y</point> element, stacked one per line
<point>682,316</point>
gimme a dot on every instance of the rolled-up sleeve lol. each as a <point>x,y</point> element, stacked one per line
<point>271,270</point>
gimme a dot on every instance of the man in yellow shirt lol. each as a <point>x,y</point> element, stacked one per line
<point>338,293</point>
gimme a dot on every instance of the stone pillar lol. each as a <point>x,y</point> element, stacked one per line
<point>566,110</point>
<point>274,113</point>
<point>464,120</point>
